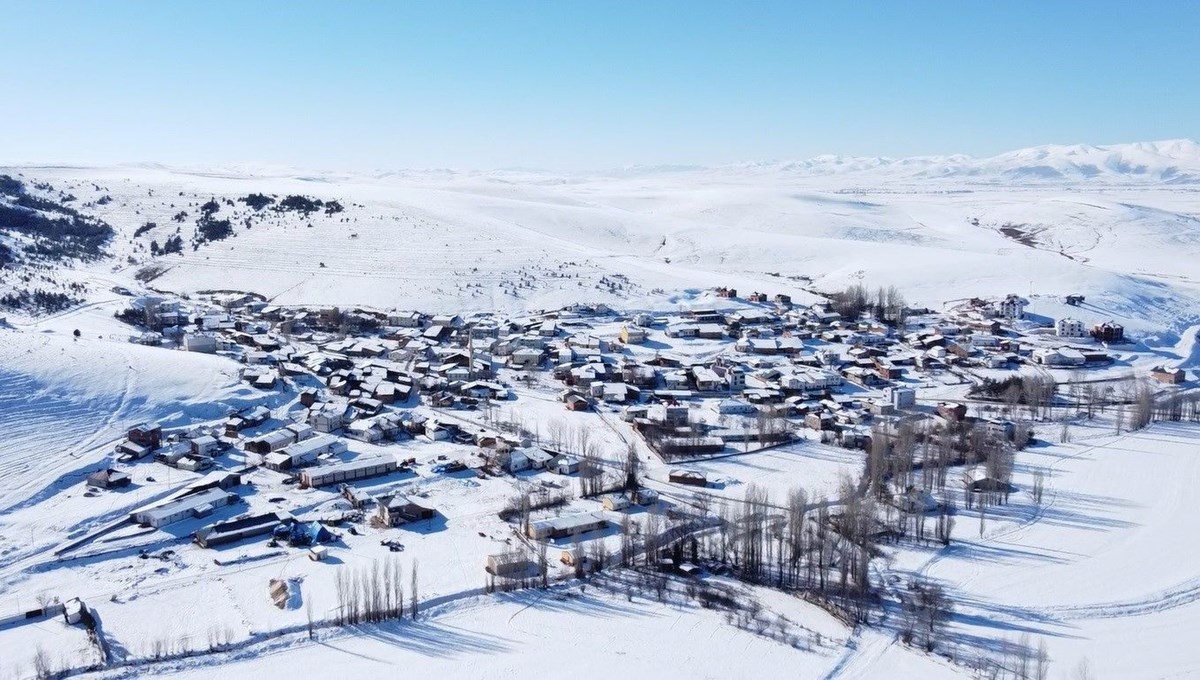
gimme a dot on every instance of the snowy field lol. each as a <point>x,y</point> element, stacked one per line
<point>64,398</point>
<point>590,634</point>
<point>1115,224</point>
<point>1099,570</point>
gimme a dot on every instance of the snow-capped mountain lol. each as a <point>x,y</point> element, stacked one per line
<point>1175,161</point>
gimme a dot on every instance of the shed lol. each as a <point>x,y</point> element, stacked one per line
<point>689,477</point>
<point>567,525</point>
<point>109,479</point>
<point>359,468</point>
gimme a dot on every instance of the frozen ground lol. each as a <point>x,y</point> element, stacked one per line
<point>1100,570</point>
<point>593,634</point>
<point>63,398</point>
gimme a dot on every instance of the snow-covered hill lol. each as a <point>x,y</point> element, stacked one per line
<point>1117,224</point>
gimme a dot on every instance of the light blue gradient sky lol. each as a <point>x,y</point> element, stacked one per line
<point>585,85</point>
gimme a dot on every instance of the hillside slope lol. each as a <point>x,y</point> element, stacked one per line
<point>941,228</point>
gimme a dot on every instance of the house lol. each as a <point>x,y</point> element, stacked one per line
<point>436,430</point>
<point>246,419</point>
<point>302,431</point>
<point>364,431</point>
<point>1000,429</point>
<point>436,333</point>
<point>704,315</point>
<point>193,463</point>
<point>394,510</point>
<point>362,467</point>
<point>128,450</point>
<point>145,434</point>
<point>1012,307</point>
<point>565,465</point>
<point>1168,376</point>
<point>235,530</point>
<point>327,416</point>
<point>270,441</point>
<point>566,526</point>
<point>1068,327</point>
<point>683,330</point>
<point>615,392</point>
<point>632,335</point>
<point>615,501</point>
<point>506,564</point>
<point>688,477</point>
<point>977,480</point>
<point>706,379</point>
<point>676,380</point>
<point>888,370</point>
<point>900,397</point>
<point>481,389</point>
<point>538,458</point>
<point>357,498</point>
<point>517,460</point>
<point>914,500</point>
<point>1062,357</point>
<point>303,453</point>
<point>574,402</point>
<point>193,505</point>
<point>1109,332</point>
<point>645,496</point>
<point>205,445</point>
<point>405,319</point>
<point>819,421</point>
<point>525,358</point>
<point>204,343</point>
<point>736,407</point>
<point>734,377</point>
<point>951,411</point>
<point>109,479</point>
<point>665,414</point>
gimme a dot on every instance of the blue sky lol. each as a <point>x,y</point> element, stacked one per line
<point>585,85</point>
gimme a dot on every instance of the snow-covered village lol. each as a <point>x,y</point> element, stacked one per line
<point>874,413</point>
<point>209,476</point>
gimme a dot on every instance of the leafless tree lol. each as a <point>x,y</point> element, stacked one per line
<point>1143,407</point>
<point>41,663</point>
<point>413,597</point>
<point>1041,663</point>
<point>308,614</point>
<point>632,468</point>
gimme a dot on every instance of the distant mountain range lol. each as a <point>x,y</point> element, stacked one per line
<point>1175,161</point>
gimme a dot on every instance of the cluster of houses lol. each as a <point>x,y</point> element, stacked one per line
<point>805,364</point>
<point>760,373</point>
